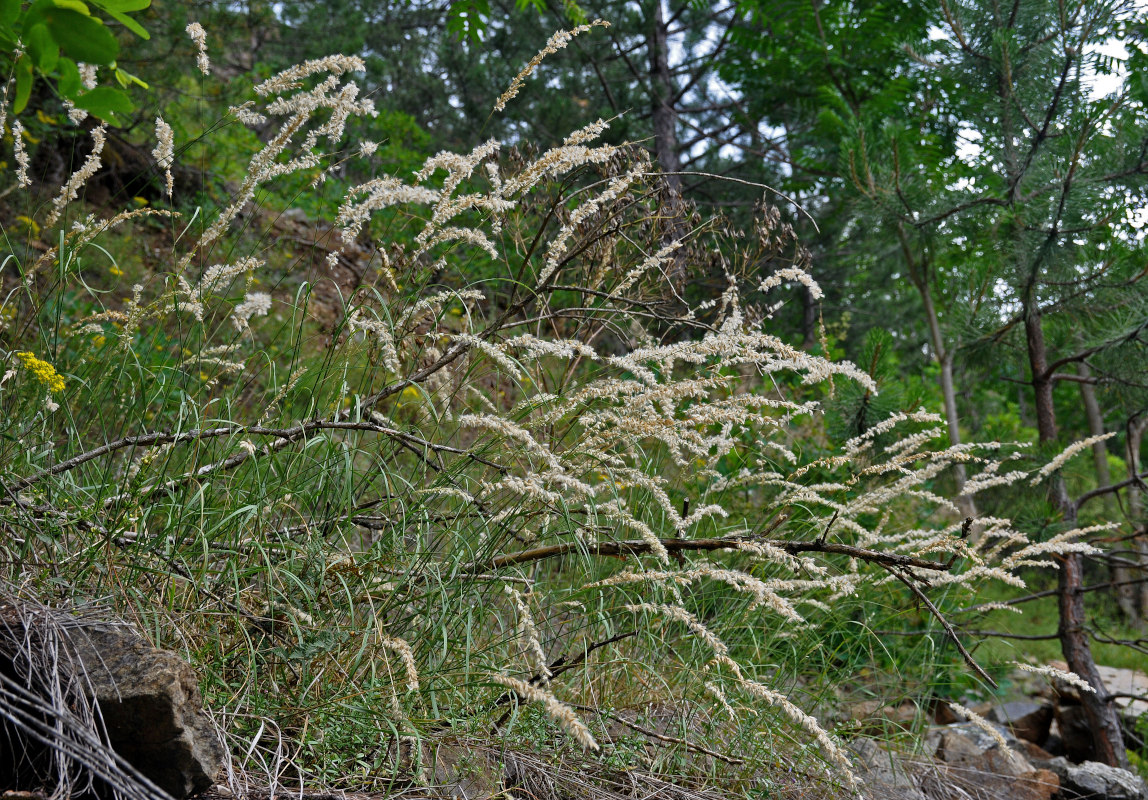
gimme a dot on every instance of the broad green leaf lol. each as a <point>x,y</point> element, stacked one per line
<point>9,13</point>
<point>105,102</point>
<point>68,81</point>
<point>122,5</point>
<point>23,83</point>
<point>128,23</point>
<point>82,38</point>
<point>43,48</point>
<point>73,5</point>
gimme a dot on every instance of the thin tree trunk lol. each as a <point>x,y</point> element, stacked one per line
<point>1127,593</point>
<point>665,120</point>
<point>1095,427</point>
<point>1107,737</point>
<point>665,116</point>
<point>944,357</point>
<point>1136,428</point>
<point>808,320</point>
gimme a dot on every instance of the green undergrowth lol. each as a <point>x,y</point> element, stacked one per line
<point>317,480</point>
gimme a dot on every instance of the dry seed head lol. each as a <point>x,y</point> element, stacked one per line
<point>832,749</point>
<point>256,304</point>
<point>981,723</point>
<point>792,274</point>
<point>403,649</point>
<point>554,707</point>
<point>557,41</point>
<point>528,635</point>
<point>21,153</point>
<point>1066,454</point>
<point>164,152</point>
<point>679,614</point>
<point>198,36</point>
<point>1071,678</point>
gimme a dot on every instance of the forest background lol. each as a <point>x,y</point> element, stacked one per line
<point>953,192</point>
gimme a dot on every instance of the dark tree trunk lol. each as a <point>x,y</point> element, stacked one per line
<point>1107,737</point>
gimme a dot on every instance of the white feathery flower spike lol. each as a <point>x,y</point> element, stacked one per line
<point>199,37</point>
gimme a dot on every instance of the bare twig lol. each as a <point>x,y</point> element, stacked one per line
<point>661,737</point>
<point>968,657</point>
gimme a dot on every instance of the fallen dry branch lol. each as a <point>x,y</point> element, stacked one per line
<point>638,546</point>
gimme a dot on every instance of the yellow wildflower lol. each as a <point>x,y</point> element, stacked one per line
<point>44,118</point>
<point>115,271</point>
<point>44,372</point>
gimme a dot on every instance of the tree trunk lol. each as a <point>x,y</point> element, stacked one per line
<point>1136,428</point>
<point>1126,593</point>
<point>919,276</point>
<point>1095,428</point>
<point>665,120</point>
<point>1107,737</point>
<point>665,116</point>
<point>808,320</point>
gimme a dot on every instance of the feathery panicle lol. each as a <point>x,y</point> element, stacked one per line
<point>256,304</point>
<point>164,152</point>
<point>1066,454</point>
<point>828,744</point>
<point>198,36</point>
<point>21,153</point>
<point>981,723</point>
<point>559,711</point>
<point>679,614</point>
<point>528,635</point>
<point>1071,678</point>
<point>71,190</point>
<point>403,649</point>
<point>557,41</point>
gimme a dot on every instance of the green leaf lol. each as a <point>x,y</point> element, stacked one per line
<point>126,79</point>
<point>468,19</point>
<point>68,80</point>
<point>122,5</point>
<point>105,101</point>
<point>23,70</point>
<point>82,38</point>
<point>73,5</point>
<point>128,23</point>
<point>43,48</point>
<point>9,13</point>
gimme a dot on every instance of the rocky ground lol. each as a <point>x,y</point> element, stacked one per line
<point>155,743</point>
<point>1046,753</point>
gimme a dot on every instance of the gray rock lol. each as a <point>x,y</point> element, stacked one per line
<point>1095,781</point>
<point>976,763</point>
<point>150,703</point>
<point>1029,721</point>
<point>148,699</point>
<point>883,774</point>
